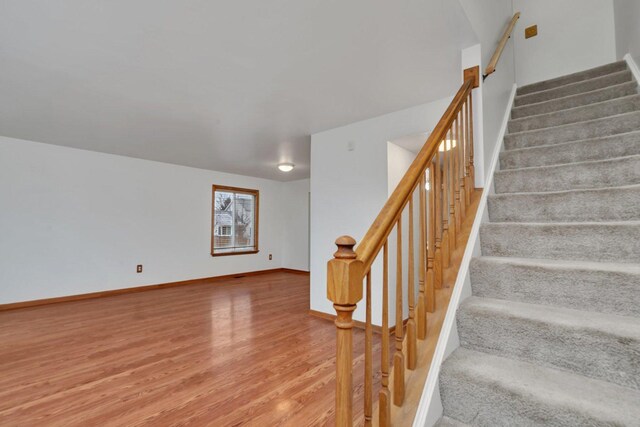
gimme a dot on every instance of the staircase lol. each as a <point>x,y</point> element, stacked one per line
<point>551,334</point>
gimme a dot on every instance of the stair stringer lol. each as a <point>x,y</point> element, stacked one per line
<point>633,67</point>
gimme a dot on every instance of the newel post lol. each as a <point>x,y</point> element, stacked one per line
<point>344,288</point>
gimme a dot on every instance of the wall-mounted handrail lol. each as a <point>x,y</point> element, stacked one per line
<point>491,68</point>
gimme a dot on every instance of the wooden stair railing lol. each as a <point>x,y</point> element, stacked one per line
<point>443,174</point>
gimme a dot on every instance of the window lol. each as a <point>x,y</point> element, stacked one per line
<point>223,230</point>
<point>235,221</point>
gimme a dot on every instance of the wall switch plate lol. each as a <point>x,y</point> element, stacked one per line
<point>531,31</point>
<point>270,257</point>
<point>139,268</point>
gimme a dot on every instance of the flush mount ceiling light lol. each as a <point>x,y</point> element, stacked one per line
<point>286,167</point>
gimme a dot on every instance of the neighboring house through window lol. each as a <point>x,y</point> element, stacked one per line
<point>235,221</point>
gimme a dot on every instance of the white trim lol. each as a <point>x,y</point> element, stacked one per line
<point>635,69</point>
<point>425,412</point>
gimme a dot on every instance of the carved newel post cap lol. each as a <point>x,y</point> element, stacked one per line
<point>344,274</point>
<point>345,246</point>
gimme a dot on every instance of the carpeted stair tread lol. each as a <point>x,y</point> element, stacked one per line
<point>551,333</point>
<point>574,88</point>
<point>486,390</point>
<point>579,114</point>
<point>596,345</point>
<point>449,422</point>
<point>622,123</point>
<point>573,78</point>
<point>570,176</point>
<point>601,204</point>
<point>597,241</point>
<point>622,145</point>
<point>573,101</point>
<point>600,287</point>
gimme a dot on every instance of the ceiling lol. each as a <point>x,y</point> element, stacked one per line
<point>233,86</point>
<point>413,142</point>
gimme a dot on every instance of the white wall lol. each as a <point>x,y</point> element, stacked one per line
<point>627,21</point>
<point>573,35</point>
<point>348,188</point>
<point>489,19</point>
<point>398,161</point>
<point>74,221</point>
<point>295,227</point>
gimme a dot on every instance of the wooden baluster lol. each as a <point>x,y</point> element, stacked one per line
<point>436,187</point>
<point>368,356</point>
<point>344,289</point>
<point>467,194</point>
<point>398,356</point>
<point>446,253</point>
<point>462,194</point>
<point>451,193</point>
<point>455,156</point>
<point>411,323</point>
<point>431,236</point>
<point>422,261</point>
<point>472,177</point>
<point>384,397</point>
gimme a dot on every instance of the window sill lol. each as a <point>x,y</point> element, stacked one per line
<point>235,253</point>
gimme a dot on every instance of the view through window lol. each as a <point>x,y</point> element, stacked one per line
<point>235,221</point>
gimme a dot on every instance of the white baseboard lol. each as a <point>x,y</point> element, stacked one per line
<point>633,66</point>
<point>430,406</point>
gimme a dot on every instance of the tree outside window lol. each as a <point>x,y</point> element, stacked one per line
<point>235,221</point>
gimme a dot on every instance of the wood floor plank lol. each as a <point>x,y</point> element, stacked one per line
<point>236,352</point>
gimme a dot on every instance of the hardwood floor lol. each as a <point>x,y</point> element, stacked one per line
<point>243,351</point>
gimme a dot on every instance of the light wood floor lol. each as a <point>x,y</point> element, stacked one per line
<point>239,352</point>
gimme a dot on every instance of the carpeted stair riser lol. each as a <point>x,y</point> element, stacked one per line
<point>622,145</point>
<point>600,95</point>
<point>573,78</point>
<point>574,88</point>
<point>599,242</point>
<point>608,126</point>
<point>606,204</point>
<point>599,346</point>
<point>485,390</point>
<point>570,176</point>
<point>598,287</point>
<point>589,112</point>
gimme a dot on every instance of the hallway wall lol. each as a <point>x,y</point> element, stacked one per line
<point>573,35</point>
<point>627,20</point>
<point>489,20</point>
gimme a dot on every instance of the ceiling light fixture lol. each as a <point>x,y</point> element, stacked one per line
<point>447,145</point>
<point>286,167</point>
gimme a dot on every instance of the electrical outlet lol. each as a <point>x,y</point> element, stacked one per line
<point>139,268</point>
<point>270,257</point>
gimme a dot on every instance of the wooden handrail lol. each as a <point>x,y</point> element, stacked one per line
<point>491,68</point>
<point>448,156</point>
<point>377,234</point>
